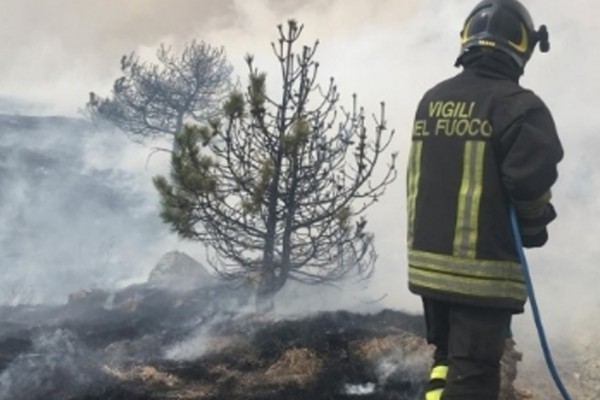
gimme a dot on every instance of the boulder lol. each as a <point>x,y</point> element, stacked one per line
<point>178,271</point>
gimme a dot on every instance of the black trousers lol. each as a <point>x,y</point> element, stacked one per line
<point>470,340</point>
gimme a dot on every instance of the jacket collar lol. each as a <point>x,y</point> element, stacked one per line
<point>492,64</point>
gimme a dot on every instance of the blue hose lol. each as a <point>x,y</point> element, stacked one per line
<point>534,307</point>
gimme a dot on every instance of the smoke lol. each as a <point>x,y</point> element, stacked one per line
<point>73,216</point>
<point>70,48</point>
<point>385,50</point>
<point>58,363</point>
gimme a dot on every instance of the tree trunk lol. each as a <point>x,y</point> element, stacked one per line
<point>264,296</point>
<point>178,130</point>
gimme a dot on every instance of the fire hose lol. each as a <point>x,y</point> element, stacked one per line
<point>534,307</point>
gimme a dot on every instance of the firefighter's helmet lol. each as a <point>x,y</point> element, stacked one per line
<point>504,25</point>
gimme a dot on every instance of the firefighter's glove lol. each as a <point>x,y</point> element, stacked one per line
<point>533,230</point>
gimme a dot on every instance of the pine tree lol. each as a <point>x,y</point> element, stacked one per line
<point>279,188</point>
<point>157,99</point>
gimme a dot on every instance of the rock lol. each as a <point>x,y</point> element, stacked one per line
<point>178,271</point>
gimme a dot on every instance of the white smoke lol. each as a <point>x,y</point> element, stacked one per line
<point>58,363</point>
<point>385,50</point>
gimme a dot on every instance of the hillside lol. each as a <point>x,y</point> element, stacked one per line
<point>147,343</point>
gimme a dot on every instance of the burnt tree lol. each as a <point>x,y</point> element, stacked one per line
<point>153,99</point>
<point>279,187</point>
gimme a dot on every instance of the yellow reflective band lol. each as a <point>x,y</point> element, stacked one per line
<point>476,199</point>
<point>439,372</point>
<point>413,177</point>
<point>466,285</point>
<point>469,196</point>
<point>524,44</point>
<point>446,264</point>
<point>465,33</point>
<point>435,394</point>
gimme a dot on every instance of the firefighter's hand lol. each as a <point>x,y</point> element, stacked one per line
<point>533,231</point>
<point>535,240</point>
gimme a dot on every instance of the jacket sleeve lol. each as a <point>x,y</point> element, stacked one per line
<point>530,151</point>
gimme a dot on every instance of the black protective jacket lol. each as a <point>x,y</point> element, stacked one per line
<point>480,142</point>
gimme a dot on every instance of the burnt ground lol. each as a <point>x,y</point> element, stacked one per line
<point>148,343</point>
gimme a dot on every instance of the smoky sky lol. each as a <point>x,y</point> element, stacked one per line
<point>51,48</point>
<point>54,52</point>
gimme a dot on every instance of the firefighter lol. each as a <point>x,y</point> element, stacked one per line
<point>480,143</point>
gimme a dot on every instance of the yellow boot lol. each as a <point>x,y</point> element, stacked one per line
<point>435,394</point>
<point>437,381</point>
